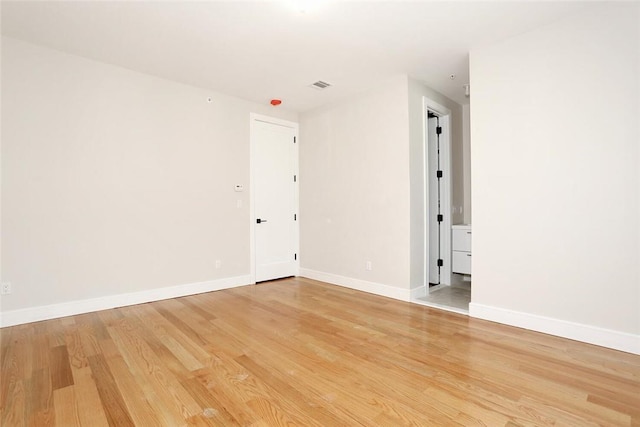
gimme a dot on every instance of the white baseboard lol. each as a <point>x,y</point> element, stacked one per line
<point>357,284</point>
<point>54,311</point>
<point>419,292</point>
<point>622,341</point>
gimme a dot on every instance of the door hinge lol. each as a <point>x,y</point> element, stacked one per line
<point>295,178</point>
<point>440,218</point>
<point>440,263</point>
<point>438,174</point>
<point>295,257</point>
<point>295,217</point>
<point>438,130</point>
<point>294,139</point>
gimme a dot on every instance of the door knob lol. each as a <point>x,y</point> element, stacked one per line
<point>260,220</point>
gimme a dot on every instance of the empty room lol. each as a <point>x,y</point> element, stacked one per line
<point>319,213</point>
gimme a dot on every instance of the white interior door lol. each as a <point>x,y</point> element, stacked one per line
<point>437,237</point>
<point>434,205</point>
<point>274,177</point>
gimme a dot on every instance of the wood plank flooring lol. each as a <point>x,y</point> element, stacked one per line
<point>301,352</point>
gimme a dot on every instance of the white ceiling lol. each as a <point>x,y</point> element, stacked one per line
<point>264,50</point>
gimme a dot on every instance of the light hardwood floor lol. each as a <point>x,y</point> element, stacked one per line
<point>300,352</point>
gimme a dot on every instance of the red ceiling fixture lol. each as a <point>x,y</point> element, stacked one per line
<point>275,102</point>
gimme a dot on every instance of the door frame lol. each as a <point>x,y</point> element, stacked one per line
<point>445,157</point>
<point>253,119</point>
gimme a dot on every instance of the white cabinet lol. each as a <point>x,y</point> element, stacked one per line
<point>461,249</point>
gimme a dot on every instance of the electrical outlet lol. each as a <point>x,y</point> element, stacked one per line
<point>6,288</point>
<point>368,266</point>
<point>218,264</point>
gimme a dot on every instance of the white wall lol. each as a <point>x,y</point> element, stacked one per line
<point>554,120</point>
<point>417,92</point>
<point>362,188</point>
<point>1,296</point>
<point>116,182</point>
<point>466,163</point>
<point>354,191</point>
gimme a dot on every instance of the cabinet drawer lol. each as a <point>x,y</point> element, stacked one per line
<point>461,262</point>
<point>461,239</point>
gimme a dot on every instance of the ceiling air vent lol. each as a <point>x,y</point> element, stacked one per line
<point>320,85</point>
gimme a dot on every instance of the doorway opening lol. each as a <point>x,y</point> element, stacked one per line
<point>438,290</point>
